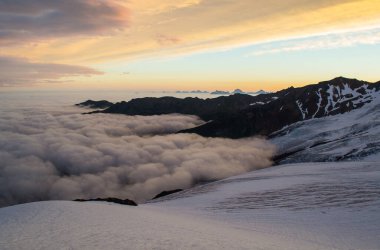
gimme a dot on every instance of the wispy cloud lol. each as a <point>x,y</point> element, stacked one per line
<point>20,71</point>
<point>165,39</point>
<point>321,42</point>
<point>154,7</point>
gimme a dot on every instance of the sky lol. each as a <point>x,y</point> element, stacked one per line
<point>186,44</point>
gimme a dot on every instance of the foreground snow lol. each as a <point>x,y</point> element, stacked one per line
<point>74,225</point>
<point>300,206</point>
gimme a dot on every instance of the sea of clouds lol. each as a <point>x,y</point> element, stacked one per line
<point>61,154</point>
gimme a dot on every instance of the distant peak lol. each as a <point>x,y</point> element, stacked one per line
<point>237,91</point>
<point>342,78</point>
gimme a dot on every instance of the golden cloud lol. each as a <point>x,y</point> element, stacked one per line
<point>170,28</point>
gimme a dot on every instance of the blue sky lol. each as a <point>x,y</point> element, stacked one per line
<point>257,67</point>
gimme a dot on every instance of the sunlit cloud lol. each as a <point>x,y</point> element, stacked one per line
<point>152,7</point>
<point>199,26</point>
<point>20,71</point>
<point>165,39</point>
<point>95,33</point>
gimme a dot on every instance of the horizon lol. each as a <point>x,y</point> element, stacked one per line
<point>165,91</point>
<point>186,45</point>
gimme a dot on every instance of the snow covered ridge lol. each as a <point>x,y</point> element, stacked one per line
<point>337,97</point>
<point>350,136</point>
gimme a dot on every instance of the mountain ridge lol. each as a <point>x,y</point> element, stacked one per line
<point>241,115</point>
<point>288,106</point>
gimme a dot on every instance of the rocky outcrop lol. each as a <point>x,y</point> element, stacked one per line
<point>114,200</point>
<point>165,193</point>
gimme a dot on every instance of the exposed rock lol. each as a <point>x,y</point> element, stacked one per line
<point>165,193</point>
<point>111,199</point>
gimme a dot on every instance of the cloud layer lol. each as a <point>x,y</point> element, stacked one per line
<point>50,155</point>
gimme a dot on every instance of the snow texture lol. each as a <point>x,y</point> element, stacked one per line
<point>319,102</point>
<point>303,112</point>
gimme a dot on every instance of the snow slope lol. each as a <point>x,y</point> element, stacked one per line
<point>299,206</point>
<point>92,225</point>
<point>354,135</point>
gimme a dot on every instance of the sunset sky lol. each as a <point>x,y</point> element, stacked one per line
<point>186,44</point>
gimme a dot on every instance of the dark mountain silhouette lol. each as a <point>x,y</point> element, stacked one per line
<point>207,109</point>
<point>241,115</point>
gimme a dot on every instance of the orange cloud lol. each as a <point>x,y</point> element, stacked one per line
<point>167,40</point>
